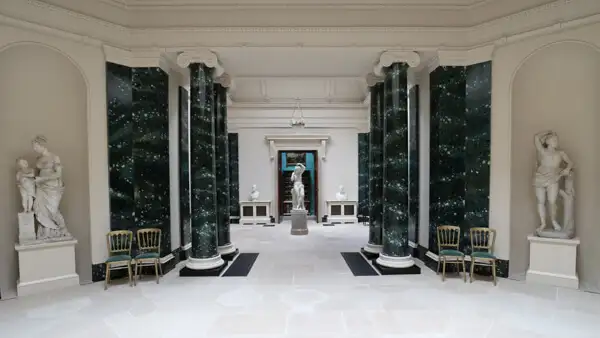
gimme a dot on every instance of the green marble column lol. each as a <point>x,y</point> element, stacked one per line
<point>373,247</point>
<point>234,181</point>
<point>395,257</point>
<point>204,259</point>
<point>225,247</point>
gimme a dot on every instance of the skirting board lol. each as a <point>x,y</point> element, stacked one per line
<point>571,282</point>
<point>46,285</point>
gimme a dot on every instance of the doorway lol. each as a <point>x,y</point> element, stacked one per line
<point>287,161</point>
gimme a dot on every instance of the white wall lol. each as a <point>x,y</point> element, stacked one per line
<point>424,162</point>
<point>340,167</point>
<point>557,90</point>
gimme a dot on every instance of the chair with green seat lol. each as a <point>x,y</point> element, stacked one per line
<point>119,253</point>
<point>482,246</point>
<point>448,238</point>
<point>148,241</point>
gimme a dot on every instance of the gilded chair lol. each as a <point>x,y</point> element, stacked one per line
<point>119,253</point>
<point>148,241</point>
<point>482,246</point>
<point>448,238</point>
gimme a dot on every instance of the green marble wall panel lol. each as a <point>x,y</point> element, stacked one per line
<point>478,111</point>
<point>413,160</point>
<point>184,168</point>
<point>120,146</point>
<point>222,164</point>
<point>202,163</point>
<point>460,149</point>
<point>396,162</point>
<point>234,176</point>
<point>376,164</point>
<point>150,113</point>
<point>363,175</point>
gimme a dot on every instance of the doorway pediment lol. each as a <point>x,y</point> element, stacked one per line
<point>297,142</point>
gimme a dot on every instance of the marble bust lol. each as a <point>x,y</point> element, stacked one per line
<point>41,192</point>
<point>554,184</point>
<point>298,188</point>
<point>341,194</point>
<point>254,194</point>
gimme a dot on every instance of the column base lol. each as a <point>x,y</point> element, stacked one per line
<point>371,251</point>
<point>388,265</point>
<point>203,267</point>
<point>228,251</point>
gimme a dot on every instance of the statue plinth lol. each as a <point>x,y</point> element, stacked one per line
<point>26,227</point>
<point>299,222</point>
<point>553,261</point>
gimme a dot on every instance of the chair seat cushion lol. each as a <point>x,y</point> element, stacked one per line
<point>148,255</point>
<point>482,254</point>
<point>451,252</point>
<point>118,258</point>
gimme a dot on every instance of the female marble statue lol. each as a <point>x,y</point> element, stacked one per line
<point>547,177</point>
<point>49,191</point>
<point>298,189</point>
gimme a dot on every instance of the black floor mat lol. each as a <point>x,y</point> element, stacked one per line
<point>358,265</point>
<point>241,266</point>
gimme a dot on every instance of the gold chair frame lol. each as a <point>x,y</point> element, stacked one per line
<point>148,240</point>
<point>448,236</point>
<point>483,239</point>
<point>118,243</point>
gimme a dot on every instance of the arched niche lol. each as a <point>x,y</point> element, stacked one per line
<point>43,92</point>
<point>556,88</point>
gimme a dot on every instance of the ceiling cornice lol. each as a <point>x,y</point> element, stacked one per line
<point>48,19</point>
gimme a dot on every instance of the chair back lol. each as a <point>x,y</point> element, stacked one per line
<point>119,242</point>
<point>448,236</point>
<point>482,239</point>
<point>148,240</point>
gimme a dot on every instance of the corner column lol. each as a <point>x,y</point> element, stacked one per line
<point>395,256</point>
<point>374,246</point>
<point>204,259</point>
<point>225,247</point>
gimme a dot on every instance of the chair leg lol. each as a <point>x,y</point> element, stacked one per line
<point>494,271</point>
<point>129,273</point>
<point>160,268</point>
<point>107,277</point>
<point>437,271</point>
<point>472,270</point>
<point>156,270</point>
<point>444,270</point>
<point>464,270</point>
<point>135,276</point>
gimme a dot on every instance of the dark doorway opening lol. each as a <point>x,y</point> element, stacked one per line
<point>287,160</point>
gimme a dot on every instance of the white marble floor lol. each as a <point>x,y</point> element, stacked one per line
<point>300,287</point>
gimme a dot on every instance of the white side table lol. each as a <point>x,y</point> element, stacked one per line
<point>255,212</point>
<point>342,211</point>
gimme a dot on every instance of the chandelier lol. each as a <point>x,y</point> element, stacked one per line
<point>297,122</point>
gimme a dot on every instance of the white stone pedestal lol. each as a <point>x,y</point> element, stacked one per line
<point>553,261</point>
<point>342,211</point>
<point>299,219</point>
<point>26,227</point>
<point>255,212</point>
<point>46,266</point>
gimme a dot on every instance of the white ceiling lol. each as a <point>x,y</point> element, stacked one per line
<point>302,2</point>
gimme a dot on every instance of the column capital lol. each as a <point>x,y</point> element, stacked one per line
<point>390,57</point>
<point>373,79</point>
<point>225,80</point>
<point>204,56</point>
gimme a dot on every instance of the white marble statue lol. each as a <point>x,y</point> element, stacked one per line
<point>553,166</point>
<point>254,194</point>
<point>341,195</point>
<point>298,188</point>
<point>49,189</point>
<point>26,184</point>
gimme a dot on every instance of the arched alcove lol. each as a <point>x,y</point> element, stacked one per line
<point>556,88</point>
<point>42,92</point>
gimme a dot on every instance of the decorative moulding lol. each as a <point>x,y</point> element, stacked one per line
<point>205,56</point>
<point>285,140</point>
<point>138,58</point>
<point>373,79</point>
<point>465,57</point>
<point>390,57</point>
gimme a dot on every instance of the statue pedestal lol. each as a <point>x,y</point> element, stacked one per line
<point>299,219</point>
<point>553,261</point>
<point>255,212</point>
<point>340,212</point>
<point>26,227</point>
<point>46,266</point>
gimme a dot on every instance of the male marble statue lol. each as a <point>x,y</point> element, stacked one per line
<point>298,189</point>
<point>48,193</point>
<point>26,184</point>
<point>254,193</point>
<point>341,195</point>
<point>553,166</point>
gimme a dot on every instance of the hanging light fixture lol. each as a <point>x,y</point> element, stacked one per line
<point>297,122</point>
